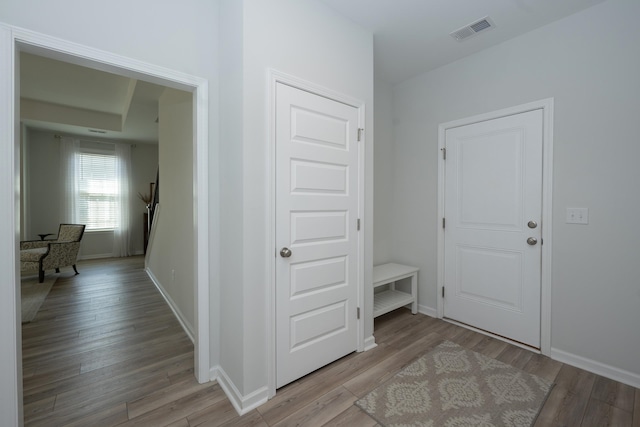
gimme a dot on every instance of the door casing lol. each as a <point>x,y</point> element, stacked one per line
<point>275,77</point>
<point>546,105</point>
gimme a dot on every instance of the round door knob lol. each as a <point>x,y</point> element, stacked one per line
<point>532,224</point>
<point>285,252</point>
<point>531,240</point>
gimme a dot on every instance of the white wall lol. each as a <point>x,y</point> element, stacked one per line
<point>180,37</point>
<point>156,32</point>
<point>42,172</point>
<point>45,189</point>
<point>384,209</point>
<point>589,63</point>
<point>170,255</point>
<point>231,183</point>
<point>310,41</point>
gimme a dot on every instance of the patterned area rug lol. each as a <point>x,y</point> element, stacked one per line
<point>33,295</point>
<point>455,387</point>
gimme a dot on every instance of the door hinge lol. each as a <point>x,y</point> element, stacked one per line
<point>358,312</point>
<point>444,153</point>
<point>443,222</point>
<point>358,224</point>
<point>443,292</point>
<point>360,131</point>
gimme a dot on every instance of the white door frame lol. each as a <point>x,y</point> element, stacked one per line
<point>546,105</point>
<point>275,77</point>
<point>13,40</point>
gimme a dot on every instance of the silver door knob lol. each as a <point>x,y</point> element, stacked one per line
<point>285,252</point>
<point>531,240</point>
<point>532,224</point>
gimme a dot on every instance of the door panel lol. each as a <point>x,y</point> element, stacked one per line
<point>318,178</point>
<point>482,271</point>
<point>316,212</point>
<point>315,276</point>
<point>318,226</point>
<point>318,324</point>
<point>500,208</point>
<point>318,127</point>
<point>493,189</point>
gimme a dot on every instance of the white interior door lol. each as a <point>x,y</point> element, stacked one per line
<point>316,232</point>
<point>493,211</point>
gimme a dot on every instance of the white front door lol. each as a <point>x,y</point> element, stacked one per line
<point>493,211</point>
<point>316,231</point>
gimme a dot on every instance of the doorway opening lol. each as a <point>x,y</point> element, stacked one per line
<point>14,41</point>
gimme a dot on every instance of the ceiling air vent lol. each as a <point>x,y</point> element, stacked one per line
<point>473,29</point>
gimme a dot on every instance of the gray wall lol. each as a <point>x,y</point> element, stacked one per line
<point>44,186</point>
<point>590,64</point>
<point>383,210</point>
<point>171,252</point>
<point>230,309</point>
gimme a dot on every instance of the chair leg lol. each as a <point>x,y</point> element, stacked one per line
<point>40,275</point>
<point>57,270</point>
<point>75,269</point>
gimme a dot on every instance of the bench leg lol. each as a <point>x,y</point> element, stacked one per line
<point>40,275</point>
<point>75,269</point>
<point>414,293</point>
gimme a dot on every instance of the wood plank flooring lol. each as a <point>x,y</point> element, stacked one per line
<point>105,350</point>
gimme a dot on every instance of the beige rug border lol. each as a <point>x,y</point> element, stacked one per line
<point>32,282</point>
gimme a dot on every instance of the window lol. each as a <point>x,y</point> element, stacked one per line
<point>97,191</point>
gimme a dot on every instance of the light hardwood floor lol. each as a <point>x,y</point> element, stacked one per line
<point>105,350</point>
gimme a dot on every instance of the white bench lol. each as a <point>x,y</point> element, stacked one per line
<point>391,299</point>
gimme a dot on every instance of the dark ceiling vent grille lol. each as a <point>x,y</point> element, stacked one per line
<point>473,29</point>
<point>481,25</point>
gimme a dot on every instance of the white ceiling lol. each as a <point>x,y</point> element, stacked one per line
<point>70,99</point>
<point>412,37</point>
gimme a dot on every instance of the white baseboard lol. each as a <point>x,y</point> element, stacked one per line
<point>214,373</point>
<point>616,374</point>
<point>370,343</point>
<point>242,404</point>
<point>188,329</point>
<point>107,255</point>
<point>95,256</point>
<point>427,311</point>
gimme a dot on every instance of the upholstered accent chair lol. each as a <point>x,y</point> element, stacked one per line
<point>44,255</point>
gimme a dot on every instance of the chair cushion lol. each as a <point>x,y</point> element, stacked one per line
<point>30,255</point>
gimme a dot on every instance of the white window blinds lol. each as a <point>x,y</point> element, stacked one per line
<point>97,191</point>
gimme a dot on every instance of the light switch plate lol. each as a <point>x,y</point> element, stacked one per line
<point>577,216</point>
